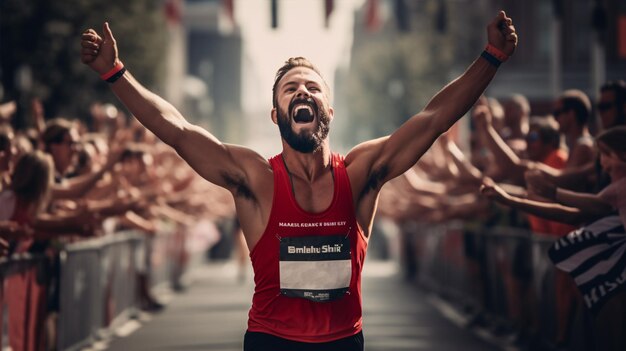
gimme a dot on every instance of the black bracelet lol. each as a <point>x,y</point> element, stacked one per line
<point>117,75</point>
<point>491,59</point>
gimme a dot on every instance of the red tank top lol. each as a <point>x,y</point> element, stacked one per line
<point>307,266</point>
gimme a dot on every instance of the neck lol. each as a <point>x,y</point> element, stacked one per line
<point>572,137</point>
<point>309,166</point>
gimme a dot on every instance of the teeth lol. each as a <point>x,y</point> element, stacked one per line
<point>299,107</point>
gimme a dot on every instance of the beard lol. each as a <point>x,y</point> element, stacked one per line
<point>306,141</point>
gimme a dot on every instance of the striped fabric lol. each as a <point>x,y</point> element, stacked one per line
<point>595,256</point>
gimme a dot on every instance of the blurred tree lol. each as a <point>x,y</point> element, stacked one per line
<point>43,37</point>
<point>394,73</point>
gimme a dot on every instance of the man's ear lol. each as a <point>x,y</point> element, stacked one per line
<point>274,116</point>
<point>331,113</point>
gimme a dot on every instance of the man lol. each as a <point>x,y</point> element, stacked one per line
<point>307,213</point>
<point>516,117</point>
<point>612,104</point>
<point>572,110</point>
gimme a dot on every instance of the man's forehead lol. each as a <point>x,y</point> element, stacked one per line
<point>299,74</point>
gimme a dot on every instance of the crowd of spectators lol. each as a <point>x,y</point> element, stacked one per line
<point>65,180</point>
<point>545,173</point>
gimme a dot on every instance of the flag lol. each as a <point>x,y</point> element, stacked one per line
<point>173,11</point>
<point>229,8</point>
<point>372,16</point>
<point>595,256</point>
<point>329,6</point>
<point>274,10</point>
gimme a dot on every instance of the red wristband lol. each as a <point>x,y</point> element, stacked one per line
<point>118,67</point>
<point>497,53</point>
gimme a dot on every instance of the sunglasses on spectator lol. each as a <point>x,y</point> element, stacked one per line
<point>557,112</point>
<point>605,106</point>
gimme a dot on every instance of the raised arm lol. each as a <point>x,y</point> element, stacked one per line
<point>219,163</point>
<point>547,210</point>
<point>510,166</point>
<point>393,155</point>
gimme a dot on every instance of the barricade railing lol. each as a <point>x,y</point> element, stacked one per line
<point>98,288</point>
<point>503,273</point>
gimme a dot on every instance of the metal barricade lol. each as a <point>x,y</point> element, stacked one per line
<point>97,287</point>
<point>503,272</point>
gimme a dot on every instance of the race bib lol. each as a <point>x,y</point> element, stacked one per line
<point>316,268</point>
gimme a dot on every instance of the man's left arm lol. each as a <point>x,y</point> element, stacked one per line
<point>398,152</point>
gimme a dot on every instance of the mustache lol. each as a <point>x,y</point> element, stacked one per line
<point>309,101</point>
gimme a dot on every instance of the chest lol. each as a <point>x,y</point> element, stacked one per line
<point>313,197</point>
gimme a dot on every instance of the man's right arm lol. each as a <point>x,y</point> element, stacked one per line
<point>219,163</point>
<point>213,160</point>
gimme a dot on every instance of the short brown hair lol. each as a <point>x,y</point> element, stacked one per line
<point>55,131</point>
<point>32,177</point>
<point>290,64</point>
<point>614,138</point>
<point>579,102</point>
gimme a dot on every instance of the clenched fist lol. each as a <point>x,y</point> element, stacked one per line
<point>501,34</point>
<point>99,53</point>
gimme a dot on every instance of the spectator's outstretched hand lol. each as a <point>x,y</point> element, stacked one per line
<point>7,110</point>
<point>38,114</point>
<point>539,186</point>
<point>501,33</point>
<point>99,53</point>
<point>115,156</point>
<point>482,117</point>
<point>491,190</point>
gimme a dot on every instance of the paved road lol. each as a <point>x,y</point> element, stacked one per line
<point>212,314</point>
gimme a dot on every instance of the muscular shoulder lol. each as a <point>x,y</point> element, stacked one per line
<point>365,175</point>
<point>251,176</point>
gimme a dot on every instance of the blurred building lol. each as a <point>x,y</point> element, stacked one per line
<point>563,45</point>
<point>209,88</point>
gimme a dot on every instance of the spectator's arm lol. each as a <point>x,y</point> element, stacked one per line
<point>420,186</point>
<point>569,178</point>
<point>136,221</point>
<point>77,187</point>
<point>113,206</point>
<point>510,166</point>
<point>38,115</point>
<point>80,222</point>
<point>590,203</point>
<point>7,110</point>
<point>551,211</point>
<point>468,172</point>
<point>174,214</point>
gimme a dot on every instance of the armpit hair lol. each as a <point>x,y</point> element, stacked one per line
<point>241,188</point>
<point>375,180</point>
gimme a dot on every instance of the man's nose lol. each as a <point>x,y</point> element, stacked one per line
<point>302,92</point>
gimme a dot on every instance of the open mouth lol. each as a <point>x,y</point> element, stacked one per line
<point>303,112</point>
